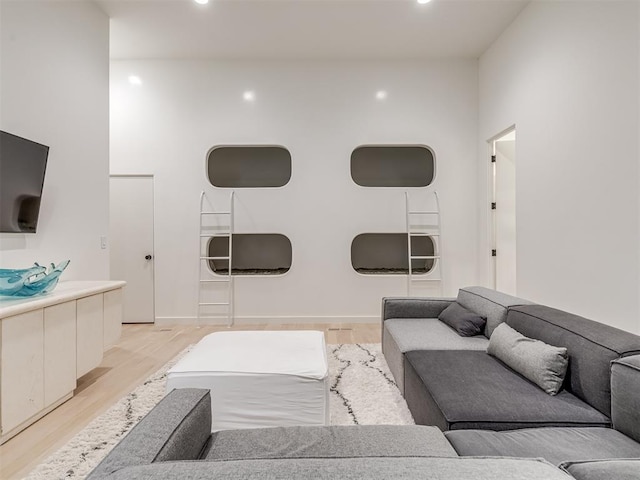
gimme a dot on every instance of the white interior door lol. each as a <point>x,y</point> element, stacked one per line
<point>505,212</point>
<point>131,256</point>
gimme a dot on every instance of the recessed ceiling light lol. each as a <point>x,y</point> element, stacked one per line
<point>135,80</point>
<point>201,2</point>
<point>421,2</point>
<point>249,96</point>
<point>381,94</point>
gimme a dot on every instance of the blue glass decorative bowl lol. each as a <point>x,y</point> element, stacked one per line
<point>31,281</point>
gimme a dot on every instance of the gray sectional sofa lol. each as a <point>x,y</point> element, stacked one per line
<point>488,409</point>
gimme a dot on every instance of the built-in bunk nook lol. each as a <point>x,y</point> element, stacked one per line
<point>416,251</point>
<point>225,253</point>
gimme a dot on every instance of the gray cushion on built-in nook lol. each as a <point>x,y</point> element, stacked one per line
<point>465,322</point>
<point>457,390</point>
<point>488,303</point>
<point>605,469</point>
<point>545,365</point>
<point>556,445</point>
<point>625,396</point>
<point>417,468</point>
<point>329,442</point>
<point>177,428</point>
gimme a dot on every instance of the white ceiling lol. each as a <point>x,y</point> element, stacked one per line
<point>306,29</point>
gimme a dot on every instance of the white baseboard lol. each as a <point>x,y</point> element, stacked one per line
<point>261,320</point>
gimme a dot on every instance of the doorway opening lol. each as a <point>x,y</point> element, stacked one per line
<point>503,210</point>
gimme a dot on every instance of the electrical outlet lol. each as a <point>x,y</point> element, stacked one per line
<point>103,243</point>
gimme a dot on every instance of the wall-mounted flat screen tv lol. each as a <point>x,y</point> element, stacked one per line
<point>22,166</point>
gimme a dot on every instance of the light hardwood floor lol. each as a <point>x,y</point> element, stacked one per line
<point>142,350</point>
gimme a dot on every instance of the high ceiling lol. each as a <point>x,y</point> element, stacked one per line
<point>306,29</point>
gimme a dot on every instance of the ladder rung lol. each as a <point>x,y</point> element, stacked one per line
<point>215,213</point>
<point>213,280</point>
<point>424,234</point>
<point>414,279</point>
<point>214,234</point>
<point>424,257</point>
<point>214,258</point>
<point>213,303</point>
<point>423,212</point>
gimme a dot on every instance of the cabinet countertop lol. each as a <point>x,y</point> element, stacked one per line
<point>64,292</point>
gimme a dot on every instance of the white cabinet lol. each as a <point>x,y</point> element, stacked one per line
<point>59,351</point>
<point>48,342</point>
<point>22,369</point>
<point>90,333</point>
<point>112,317</point>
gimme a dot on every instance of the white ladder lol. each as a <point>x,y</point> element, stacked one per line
<point>424,229</point>
<point>208,230</point>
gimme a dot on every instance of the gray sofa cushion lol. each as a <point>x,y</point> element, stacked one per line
<point>400,335</point>
<point>465,390</point>
<point>605,470</point>
<point>489,303</point>
<point>591,347</point>
<point>556,445</point>
<point>177,428</point>
<point>545,365</point>
<point>465,322</point>
<point>625,396</point>
<point>329,442</point>
<point>430,334</point>
<point>349,469</point>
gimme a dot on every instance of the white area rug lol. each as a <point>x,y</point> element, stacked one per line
<point>362,392</point>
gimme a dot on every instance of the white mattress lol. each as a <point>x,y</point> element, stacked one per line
<point>259,379</point>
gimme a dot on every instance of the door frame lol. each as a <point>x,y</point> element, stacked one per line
<point>153,230</point>
<point>491,190</point>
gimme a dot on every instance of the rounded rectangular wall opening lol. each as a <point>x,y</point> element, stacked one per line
<point>392,166</point>
<point>253,254</point>
<point>386,253</point>
<point>248,166</point>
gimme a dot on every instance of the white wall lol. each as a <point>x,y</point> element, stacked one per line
<point>566,74</point>
<point>320,111</point>
<point>55,90</point>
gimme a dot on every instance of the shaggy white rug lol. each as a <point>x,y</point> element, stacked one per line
<point>362,392</point>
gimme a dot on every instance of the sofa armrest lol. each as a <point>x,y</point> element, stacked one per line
<point>625,396</point>
<point>620,469</point>
<point>177,428</point>
<point>413,307</point>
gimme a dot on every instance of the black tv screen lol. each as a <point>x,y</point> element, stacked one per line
<point>22,166</point>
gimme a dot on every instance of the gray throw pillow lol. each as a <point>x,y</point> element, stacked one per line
<point>463,321</point>
<point>545,365</point>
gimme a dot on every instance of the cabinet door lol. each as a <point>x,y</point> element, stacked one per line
<point>89,327</point>
<point>22,382</point>
<point>112,317</point>
<point>59,351</point>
